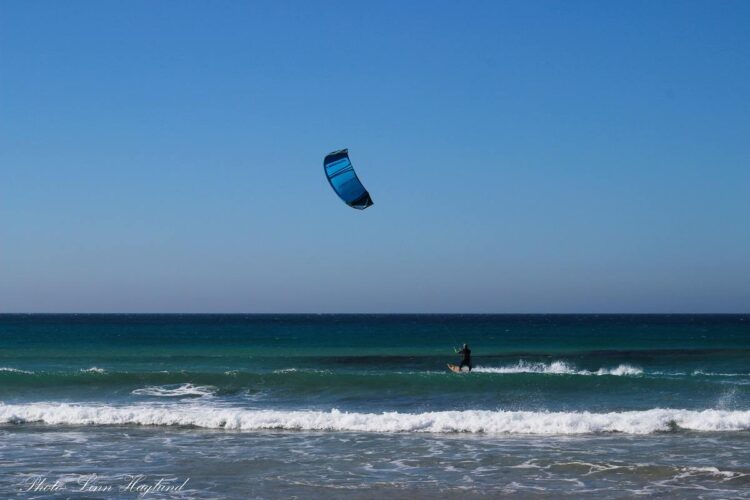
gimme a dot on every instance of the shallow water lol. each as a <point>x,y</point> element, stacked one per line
<point>228,464</point>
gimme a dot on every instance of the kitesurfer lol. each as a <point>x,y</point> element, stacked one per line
<point>465,353</point>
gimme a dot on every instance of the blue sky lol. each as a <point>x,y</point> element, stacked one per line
<point>522,156</point>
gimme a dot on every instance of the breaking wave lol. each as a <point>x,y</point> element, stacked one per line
<point>176,390</point>
<point>558,368</point>
<point>718,374</point>
<point>300,370</point>
<point>93,369</point>
<point>469,421</point>
<point>15,370</point>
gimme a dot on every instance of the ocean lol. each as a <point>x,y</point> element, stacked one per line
<point>363,406</point>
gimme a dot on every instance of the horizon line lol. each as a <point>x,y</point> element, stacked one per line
<point>51,313</point>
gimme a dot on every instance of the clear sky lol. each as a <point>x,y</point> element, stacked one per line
<point>523,156</point>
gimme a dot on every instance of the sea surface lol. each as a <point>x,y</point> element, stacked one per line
<point>363,406</point>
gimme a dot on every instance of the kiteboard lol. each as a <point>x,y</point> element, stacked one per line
<point>456,369</point>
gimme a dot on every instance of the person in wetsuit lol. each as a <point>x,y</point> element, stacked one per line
<point>465,353</point>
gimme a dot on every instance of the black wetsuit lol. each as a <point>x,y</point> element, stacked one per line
<point>466,358</point>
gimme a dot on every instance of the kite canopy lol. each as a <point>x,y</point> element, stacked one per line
<point>344,181</point>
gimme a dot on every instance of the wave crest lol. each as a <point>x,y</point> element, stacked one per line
<point>559,368</point>
<point>15,370</point>
<point>174,390</point>
<point>470,421</point>
<point>93,369</point>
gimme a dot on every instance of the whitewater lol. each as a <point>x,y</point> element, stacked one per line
<point>468,421</point>
<point>559,368</point>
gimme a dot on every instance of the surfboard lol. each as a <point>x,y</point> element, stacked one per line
<point>456,369</point>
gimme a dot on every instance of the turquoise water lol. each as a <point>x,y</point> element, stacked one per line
<point>605,405</point>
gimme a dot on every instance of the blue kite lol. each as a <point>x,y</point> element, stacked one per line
<point>344,180</point>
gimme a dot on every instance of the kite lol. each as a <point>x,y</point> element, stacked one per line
<point>344,180</point>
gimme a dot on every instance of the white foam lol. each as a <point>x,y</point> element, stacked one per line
<point>713,471</point>
<point>719,374</point>
<point>558,368</point>
<point>14,370</point>
<point>300,370</point>
<point>169,391</point>
<point>620,371</point>
<point>93,369</point>
<point>471,421</point>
